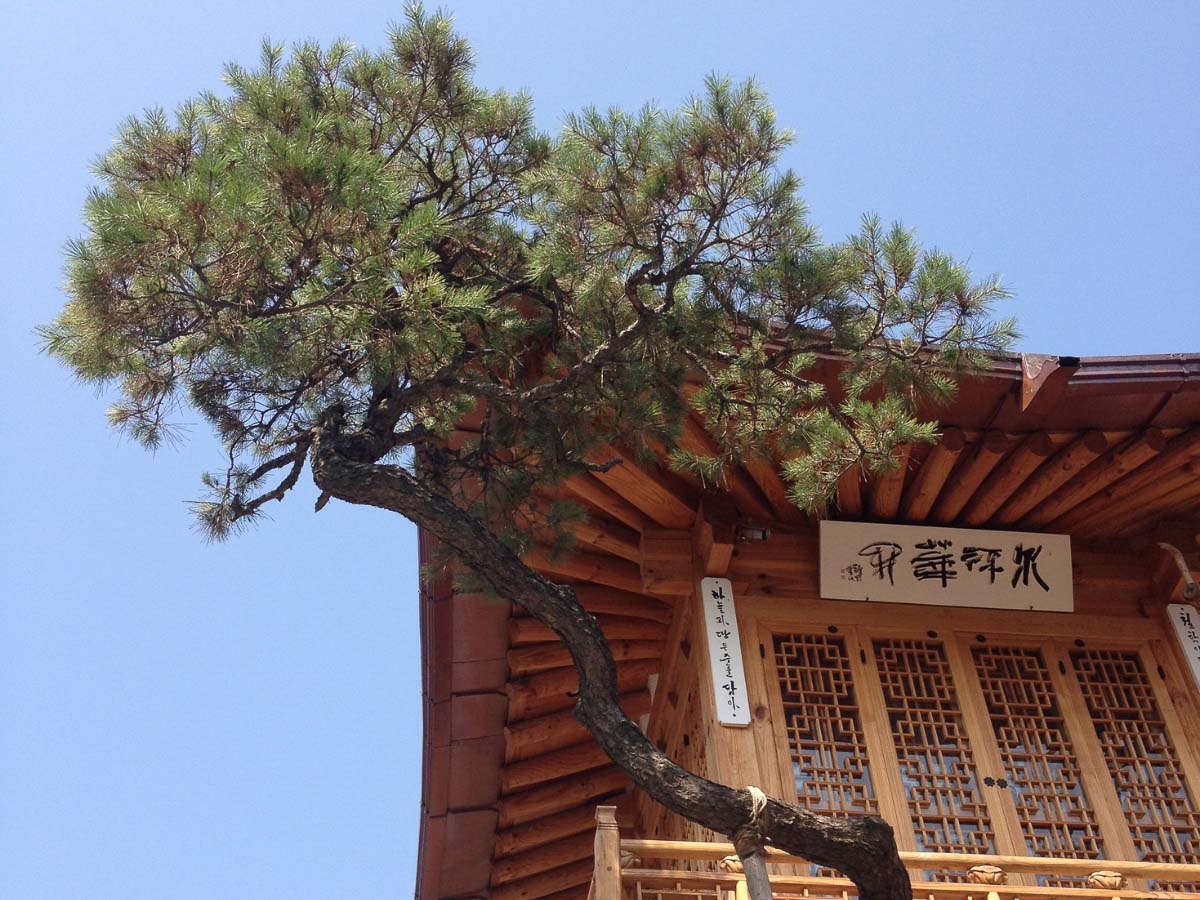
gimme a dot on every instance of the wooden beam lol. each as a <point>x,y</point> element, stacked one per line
<point>546,883</point>
<point>925,487</point>
<point>1008,477</point>
<point>714,535</point>
<point>594,567</point>
<point>1113,465</point>
<point>587,488</point>
<point>968,475</point>
<point>1052,475</point>
<point>554,798</point>
<point>549,691</point>
<point>542,859</point>
<point>592,531</point>
<point>666,561</point>
<point>596,598</point>
<point>540,657</point>
<point>658,494</point>
<point>785,555</point>
<point>607,537</point>
<point>1168,467</point>
<point>523,630</point>
<point>885,493</point>
<point>554,827</point>
<point>551,766</point>
<point>532,737</point>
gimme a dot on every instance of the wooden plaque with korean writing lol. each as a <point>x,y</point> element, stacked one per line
<point>946,566</point>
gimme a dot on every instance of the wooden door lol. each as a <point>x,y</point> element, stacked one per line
<point>986,743</point>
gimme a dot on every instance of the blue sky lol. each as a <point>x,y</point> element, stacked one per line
<point>180,720</point>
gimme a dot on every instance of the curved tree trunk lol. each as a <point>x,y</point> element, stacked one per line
<point>864,848</point>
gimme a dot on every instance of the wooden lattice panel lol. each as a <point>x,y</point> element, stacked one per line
<point>936,764</point>
<point>824,727</point>
<point>1160,810</point>
<point>1043,775</point>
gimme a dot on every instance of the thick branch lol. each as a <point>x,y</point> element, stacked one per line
<point>863,848</point>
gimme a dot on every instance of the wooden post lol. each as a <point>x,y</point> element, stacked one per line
<point>606,878</point>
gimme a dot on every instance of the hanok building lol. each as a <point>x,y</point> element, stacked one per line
<point>1024,709</point>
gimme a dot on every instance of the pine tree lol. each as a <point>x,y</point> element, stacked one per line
<point>348,253</point>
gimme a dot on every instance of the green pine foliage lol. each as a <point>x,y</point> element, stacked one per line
<point>373,236</point>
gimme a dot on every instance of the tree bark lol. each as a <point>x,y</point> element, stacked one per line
<point>864,847</point>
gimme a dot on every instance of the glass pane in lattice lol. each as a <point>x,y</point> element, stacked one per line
<point>1161,812</point>
<point>1039,761</point>
<point>936,763</point>
<point>824,729</point>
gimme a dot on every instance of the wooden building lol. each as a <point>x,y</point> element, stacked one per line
<point>1050,745</point>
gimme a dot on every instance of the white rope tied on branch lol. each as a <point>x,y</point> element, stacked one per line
<point>748,842</point>
<point>758,803</point>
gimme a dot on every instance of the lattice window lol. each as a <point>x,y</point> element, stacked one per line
<point>824,728</point>
<point>1039,761</point>
<point>936,764</point>
<point>1159,809</point>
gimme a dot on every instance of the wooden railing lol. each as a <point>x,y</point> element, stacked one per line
<point>625,870</point>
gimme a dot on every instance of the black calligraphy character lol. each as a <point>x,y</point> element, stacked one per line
<point>1025,559</point>
<point>882,555</point>
<point>730,688</point>
<point>934,562</point>
<point>853,572</point>
<point>974,556</point>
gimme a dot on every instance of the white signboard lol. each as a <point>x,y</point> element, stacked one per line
<point>725,652</point>
<point>946,566</point>
<point>1186,621</point>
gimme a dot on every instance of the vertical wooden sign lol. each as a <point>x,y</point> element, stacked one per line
<point>725,652</point>
<point>1185,620</point>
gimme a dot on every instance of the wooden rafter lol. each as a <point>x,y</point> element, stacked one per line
<point>555,798</point>
<point>885,495</point>
<point>1141,484</point>
<point>970,472</point>
<point>1052,475</point>
<point>551,690</point>
<point>540,657</point>
<point>927,484</point>
<point>1111,466</point>
<point>524,630</point>
<point>745,493</point>
<point>533,737</point>
<point>1007,477</point>
<point>595,567</point>
<point>587,487</point>
<point>660,495</point>
<point>850,493</point>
